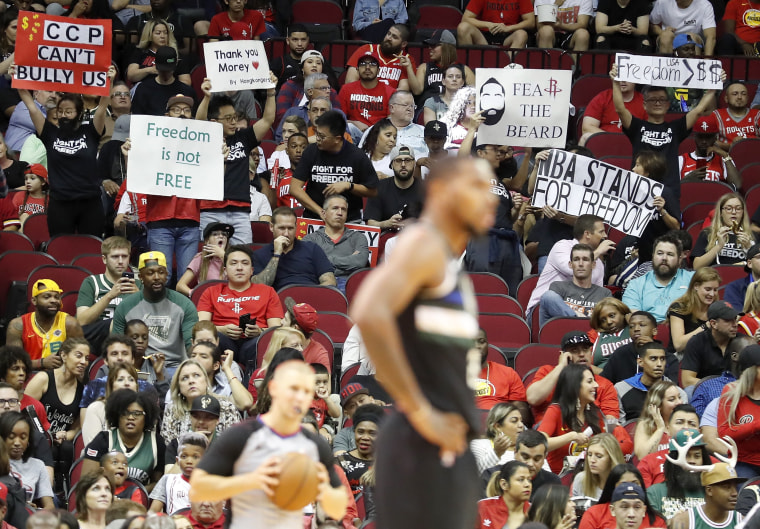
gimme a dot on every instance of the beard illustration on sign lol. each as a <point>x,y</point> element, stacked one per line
<point>492,101</point>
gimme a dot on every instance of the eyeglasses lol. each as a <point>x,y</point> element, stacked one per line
<point>657,101</point>
<point>133,414</point>
<point>121,94</point>
<point>180,111</point>
<point>69,113</point>
<point>733,209</point>
<point>406,105</point>
<point>404,160</point>
<point>5,403</point>
<point>321,136</point>
<point>231,118</point>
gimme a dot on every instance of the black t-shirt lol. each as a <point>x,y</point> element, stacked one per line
<point>72,161</point>
<point>285,68</point>
<point>703,356</point>
<point>111,166</point>
<point>150,97</point>
<point>731,253</point>
<point>180,25</point>
<point>236,179</point>
<point>664,138</point>
<point>690,323</point>
<point>147,58</point>
<point>657,226</point>
<point>616,14</point>
<point>504,211</point>
<point>320,168</point>
<point>549,232</point>
<point>391,199</point>
<point>14,174</point>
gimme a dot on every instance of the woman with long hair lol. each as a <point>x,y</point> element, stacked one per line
<point>553,507</point>
<point>688,314</point>
<point>207,264</point>
<point>503,424</point>
<point>508,499</point>
<point>8,39</point>
<point>13,169</point>
<point>609,329</point>
<point>94,497</point>
<point>281,337</point>
<point>742,400</point>
<point>121,376</point>
<point>155,34</point>
<point>264,400</point>
<point>460,118</point>
<point>15,496</point>
<point>381,139</point>
<point>750,322</point>
<point>603,453</point>
<point>651,430</point>
<point>436,106</point>
<point>572,414</point>
<point>430,75</point>
<point>729,237</point>
<point>599,516</point>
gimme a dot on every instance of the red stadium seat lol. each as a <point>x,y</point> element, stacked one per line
<point>730,273</point>
<point>354,281</point>
<point>497,355</point>
<point>609,144</point>
<point>525,289</point>
<point>268,146</point>
<point>485,56</point>
<point>595,63</point>
<point>696,212</point>
<point>439,17</point>
<point>554,329</point>
<point>587,87</point>
<point>35,227</point>
<point>688,145</point>
<point>624,162</point>
<point>322,15</point>
<point>505,331</point>
<point>692,192</point>
<point>15,266</point>
<point>65,248</point>
<point>499,303</point>
<point>320,297</point>
<point>488,283</point>
<point>533,356</point>
<point>195,294</point>
<point>335,324</point>
<point>69,302</point>
<point>68,277</point>
<point>348,374</point>
<point>338,52</point>
<point>197,75</point>
<point>90,261</point>
<point>744,152</point>
<point>13,240</point>
<point>694,230</point>
<point>750,174</point>
<point>262,232</point>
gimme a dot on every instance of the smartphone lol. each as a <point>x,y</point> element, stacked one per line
<point>128,274</point>
<point>245,319</point>
<point>701,163</point>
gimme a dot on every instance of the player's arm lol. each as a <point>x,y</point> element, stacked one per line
<point>617,98</point>
<point>210,487</point>
<point>418,262</point>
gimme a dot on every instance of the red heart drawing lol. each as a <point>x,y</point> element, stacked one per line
<point>255,64</point>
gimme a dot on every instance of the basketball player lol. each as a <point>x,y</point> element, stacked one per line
<point>244,463</point>
<point>418,318</point>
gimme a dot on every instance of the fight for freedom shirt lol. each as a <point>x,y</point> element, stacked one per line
<point>663,138</point>
<point>236,179</point>
<point>72,161</point>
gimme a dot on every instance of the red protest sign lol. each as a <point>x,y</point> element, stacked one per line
<point>62,54</point>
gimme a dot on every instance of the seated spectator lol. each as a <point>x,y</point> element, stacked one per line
<point>223,372</point>
<point>437,105</point>
<point>652,433</point>
<point>430,75</point>
<point>379,144</point>
<point>681,488</point>
<point>366,101</point>
<point>42,331</point>
<point>93,10</point>
<point>737,120</point>
<point>152,96</point>
<point>401,115</point>
<point>622,25</point>
<point>346,249</point>
<point>460,119</point>
<point>600,115</point>
<point>290,125</point>
<point>687,315</point>
<point>314,109</point>
<point>115,467</point>
<point>551,507</point>
<point>132,417</point>
<point>657,289</point>
<point>708,162</point>
<point>36,194</point>
<point>396,64</point>
<point>574,349</point>
<point>704,353</point>
<point>352,397</point>
<point>155,34</point>
<point>15,368</point>
<point>21,126</point>
<point>712,388</point>
<point>398,198</point>
<point>204,418</point>
<point>570,29</point>
<point>729,237</point>
<point>282,338</point>
<point>749,322</point>
<point>206,514</point>
<point>509,493</point>
<point>237,22</point>
<point>602,454</point>
<point>496,383</point>
<point>207,265</point>
<point>740,35</point>
<point>281,175</point>
<point>180,26</point>
<point>259,189</point>
<point>357,462</point>
<point>16,431</point>
<point>373,19</point>
<point>504,23</point>
<point>171,493</point>
<point>293,91</point>
<point>121,375</point>
<point>435,136</point>
<point>680,416</point>
<point>577,297</point>
<point>633,391</point>
<point>695,18</point>
<point>503,425</point>
<point>190,381</point>
<point>13,169</point>
<point>287,66</point>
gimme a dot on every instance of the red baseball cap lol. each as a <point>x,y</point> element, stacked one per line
<point>304,315</point>
<point>706,125</point>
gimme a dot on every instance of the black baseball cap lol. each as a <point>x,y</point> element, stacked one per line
<point>752,252</point>
<point>722,310</point>
<point>749,356</point>
<point>575,338</point>
<point>166,59</point>
<point>435,129</point>
<point>207,404</point>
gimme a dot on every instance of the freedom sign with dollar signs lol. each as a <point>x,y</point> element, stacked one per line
<point>62,54</point>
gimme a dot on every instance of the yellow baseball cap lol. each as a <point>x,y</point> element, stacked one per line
<point>151,259</point>
<point>45,285</point>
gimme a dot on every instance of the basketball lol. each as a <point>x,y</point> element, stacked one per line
<point>298,482</point>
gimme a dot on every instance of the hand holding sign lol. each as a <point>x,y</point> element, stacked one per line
<point>669,71</point>
<point>237,65</point>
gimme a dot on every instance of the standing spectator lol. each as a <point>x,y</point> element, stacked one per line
<point>570,29</point>
<point>373,18</point>
<point>737,120</point>
<point>503,22</point>
<point>622,25</point>
<point>152,96</point>
<point>155,34</point>
<point>395,63</point>
<point>600,115</point>
<point>740,30</point>
<point>709,162</point>
<point>366,101</point>
<point>237,22</point>
<point>696,18</point>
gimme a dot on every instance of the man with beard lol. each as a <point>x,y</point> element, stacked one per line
<point>42,331</point>
<point>398,198</point>
<point>392,58</point>
<point>681,488</point>
<point>288,65</point>
<point>492,101</point>
<point>721,485</point>
<point>169,315</point>
<point>657,289</point>
<point>366,101</point>
<point>20,126</point>
<point>737,120</point>
<point>705,352</point>
<point>153,93</point>
<point>496,382</point>
<point>709,161</point>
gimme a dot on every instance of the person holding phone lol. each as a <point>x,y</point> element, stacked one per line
<point>239,308</point>
<point>708,161</point>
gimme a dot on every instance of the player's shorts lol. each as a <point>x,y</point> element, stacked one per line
<point>414,490</point>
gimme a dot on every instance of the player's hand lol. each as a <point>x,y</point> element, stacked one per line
<point>231,331</point>
<point>281,244</point>
<point>267,476</point>
<point>51,362</point>
<point>443,429</point>
<point>252,330</point>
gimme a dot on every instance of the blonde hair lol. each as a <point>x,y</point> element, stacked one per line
<point>752,298</point>
<point>146,38</point>
<point>275,344</point>
<point>592,482</point>
<point>655,396</point>
<point>181,405</point>
<point>737,391</point>
<point>717,222</point>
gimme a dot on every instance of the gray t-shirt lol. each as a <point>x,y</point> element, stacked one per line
<point>580,299</point>
<point>33,477</point>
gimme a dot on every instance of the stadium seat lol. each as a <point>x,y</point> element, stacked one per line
<point>499,303</point>
<point>15,266</point>
<point>268,146</point>
<point>505,331</point>
<point>595,62</point>
<point>533,356</point>
<point>13,240</point>
<point>338,52</point>
<point>587,87</point>
<point>688,145</point>
<point>68,277</point>
<point>692,192</point>
<point>78,445</point>
<point>348,374</point>
<point>322,298</point>
<point>65,248</point>
<point>694,229</point>
<point>730,273</point>
<point>195,295</point>
<point>90,261</point>
<point>485,56</point>
<point>197,75</point>
<point>548,59</point>
<point>497,355</point>
<point>323,18</point>
<point>528,377</point>
<point>488,283</point>
<point>69,302</point>
<point>36,228</point>
<point>262,232</point>
<point>436,16</point>
<point>696,212</point>
<point>525,289</point>
<point>318,336</point>
<point>553,330</point>
<point>609,144</point>
<point>335,324</point>
<point>750,174</point>
<point>92,371</point>
<point>745,152</point>
<point>353,282</point>
<point>624,162</point>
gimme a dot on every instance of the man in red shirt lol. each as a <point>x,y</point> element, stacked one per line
<point>651,466</point>
<point>708,162</point>
<point>237,22</point>
<point>741,24</point>
<point>240,309</point>
<point>365,101</point>
<point>502,22</point>
<point>206,514</point>
<point>391,57</point>
<point>574,349</point>
<point>496,382</point>
<point>737,121</point>
<point>600,115</point>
